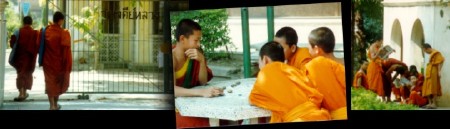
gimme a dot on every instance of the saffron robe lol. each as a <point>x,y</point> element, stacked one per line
<point>288,93</point>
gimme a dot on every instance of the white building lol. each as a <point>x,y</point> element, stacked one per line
<point>408,23</point>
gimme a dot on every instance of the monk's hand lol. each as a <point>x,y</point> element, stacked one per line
<point>195,54</point>
<point>212,92</point>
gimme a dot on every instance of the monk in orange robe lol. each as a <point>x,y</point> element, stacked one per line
<point>25,57</point>
<point>415,97</point>
<point>374,70</point>
<point>432,85</point>
<point>190,70</point>
<point>360,79</point>
<point>405,91</point>
<point>295,56</point>
<point>414,72</point>
<point>285,90</point>
<point>327,73</point>
<point>57,59</point>
<point>391,65</point>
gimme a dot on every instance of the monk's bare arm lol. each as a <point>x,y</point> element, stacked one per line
<point>184,92</point>
<point>205,92</point>
<point>180,91</point>
<point>359,82</point>
<point>203,75</point>
<point>196,54</point>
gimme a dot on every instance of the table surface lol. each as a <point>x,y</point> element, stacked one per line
<point>232,106</point>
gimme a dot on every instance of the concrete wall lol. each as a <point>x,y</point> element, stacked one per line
<point>303,26</point>
<point>144,26</point>
<point>420,20</point>
<point>135,46</point>
<point>304,10</point>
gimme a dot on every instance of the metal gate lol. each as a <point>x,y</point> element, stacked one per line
<point>115,45</point>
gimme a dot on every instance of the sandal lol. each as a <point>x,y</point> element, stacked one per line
<point>19,99</point>
<point>431,107</point>
<point>58,108</point>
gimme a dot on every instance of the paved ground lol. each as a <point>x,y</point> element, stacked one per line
<point>38,100</point>
<point>92,105</point>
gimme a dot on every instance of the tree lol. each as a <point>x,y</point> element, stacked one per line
<point>367,27</point>
<point>214,30</point>
<point>13,22</point>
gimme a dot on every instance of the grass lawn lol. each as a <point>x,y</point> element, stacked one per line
<point>362,99</point>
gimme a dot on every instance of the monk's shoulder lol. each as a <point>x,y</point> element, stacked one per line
<point>318,61</point>
<point>274,66</point>
<point>65,31</point>
<point>440,55</point>
<point>179,58</point>
<point>302,52</point>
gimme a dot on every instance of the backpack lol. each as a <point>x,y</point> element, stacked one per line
<point>41,47</point>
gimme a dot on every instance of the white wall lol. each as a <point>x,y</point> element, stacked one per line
<point>303,26</point>
<point>435,33</point>
<point>441,40</point>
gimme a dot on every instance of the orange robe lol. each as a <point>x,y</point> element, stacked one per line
<point>432,84</point>
<point>360,75</point>
<point>57,61</point>
<point>190,69</point>
<point>300,58</point>
<point>25,58</point>
<point>375,76</point>
<point>415,97</point>
<point>404,92</point>
<point>328,76</point>
<point>286,92</point>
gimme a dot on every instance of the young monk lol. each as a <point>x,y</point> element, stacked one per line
<point>25,58</point>
<point>374,70</point>
<point>285,90</point>
<point>414,72</point>
<point>360,79</point>
<point>190,70</point>
<point>295,56</point>
<point>391,65</point>
<point>432,85</point>
<point>415,97</point>
<point>327,73</point>
<point>57,59</point>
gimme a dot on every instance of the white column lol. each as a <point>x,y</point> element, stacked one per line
<point>3,4</point>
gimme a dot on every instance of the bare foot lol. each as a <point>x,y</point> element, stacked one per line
<point>432,106</point>
<point>58,107</point>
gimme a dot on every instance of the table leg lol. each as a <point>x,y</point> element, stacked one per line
<point>250,121</point>
<point>254,121</point>
<point>214,122</point>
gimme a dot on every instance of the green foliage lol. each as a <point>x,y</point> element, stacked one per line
<point>89,23</point>
<point>371,26</point>
<point>13,22</point>
<point>362,99</point>
<point>372,15</point>
<point>214,30</point>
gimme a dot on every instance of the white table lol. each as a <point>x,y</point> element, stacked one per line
<point>232,106</point>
